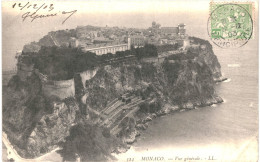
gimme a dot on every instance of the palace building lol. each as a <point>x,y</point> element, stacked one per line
<point>137,40</point>
<point>180,30</point>
<point>100,49</point>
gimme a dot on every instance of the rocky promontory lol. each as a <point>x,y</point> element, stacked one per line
<point>107,104</point>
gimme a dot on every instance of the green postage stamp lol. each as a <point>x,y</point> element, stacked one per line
<point>230,25</point>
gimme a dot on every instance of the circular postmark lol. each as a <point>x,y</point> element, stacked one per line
<point>230,25</point>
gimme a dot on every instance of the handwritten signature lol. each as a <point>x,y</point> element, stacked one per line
<point>33,15</point>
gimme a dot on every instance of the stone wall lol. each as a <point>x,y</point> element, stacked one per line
<point>86,75</point>
<point>61,89</point>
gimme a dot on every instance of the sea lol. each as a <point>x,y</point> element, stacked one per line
<point>222,132</point>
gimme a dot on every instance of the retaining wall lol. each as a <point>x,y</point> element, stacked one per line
<point>61,89</point>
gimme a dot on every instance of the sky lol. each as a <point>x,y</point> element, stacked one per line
<point>140,14</point>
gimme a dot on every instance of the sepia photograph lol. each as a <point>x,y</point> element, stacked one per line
<point>130,81</point>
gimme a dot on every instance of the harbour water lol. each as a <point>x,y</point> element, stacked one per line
<point>224,132</point>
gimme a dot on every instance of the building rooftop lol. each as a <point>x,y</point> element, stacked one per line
<point>103,45</point>
<point>181,24</point>
<point>169,27</point>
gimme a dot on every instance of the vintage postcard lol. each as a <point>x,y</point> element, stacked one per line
<point>129,80</point>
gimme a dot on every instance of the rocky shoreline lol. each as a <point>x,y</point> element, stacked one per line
<point>221,79</point>
<point>179,83</point>
<point>142,124</point>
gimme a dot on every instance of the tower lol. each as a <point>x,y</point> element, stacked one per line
<point>129,43</point>
<point>182,30</point>
<point>73,42</point>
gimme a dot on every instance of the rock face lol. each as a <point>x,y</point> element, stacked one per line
<point>207,55</point>
<point>186,82</point>
<point>52,128</point>
<point>183,82</point>
<point>35,123</point>
<point>23,71</point>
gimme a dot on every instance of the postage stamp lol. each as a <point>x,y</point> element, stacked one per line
<point>230,25</point>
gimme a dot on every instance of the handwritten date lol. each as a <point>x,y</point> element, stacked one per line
<point>34,8</point>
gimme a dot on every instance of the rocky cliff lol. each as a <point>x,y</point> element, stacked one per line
<point>36,123</point>
<point>184,81</point>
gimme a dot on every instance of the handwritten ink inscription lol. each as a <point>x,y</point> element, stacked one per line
<point>31,11</point>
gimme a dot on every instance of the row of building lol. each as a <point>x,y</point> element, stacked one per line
<point>110,47</point>
<point>156,29</point>
<point>103,40</point>
<point>102,45</point>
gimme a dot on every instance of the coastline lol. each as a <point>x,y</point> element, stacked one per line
<point>142,119</point>
<point>15,156</point>
<point>221,79</point>
<point>142,124</point>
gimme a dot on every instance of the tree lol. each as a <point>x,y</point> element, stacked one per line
<point>148,50</point>
<point>90,142</point>
<point>106,132</point>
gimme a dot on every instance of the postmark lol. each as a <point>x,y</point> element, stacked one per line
<point>230,25</point>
